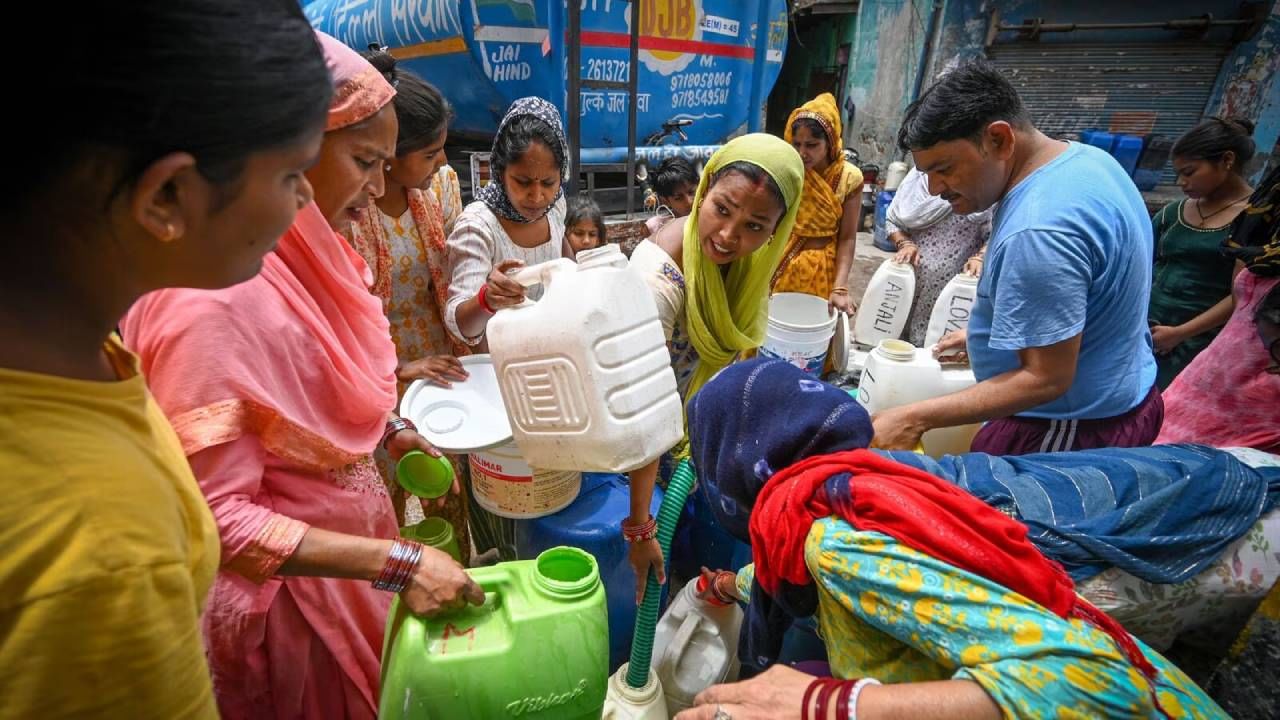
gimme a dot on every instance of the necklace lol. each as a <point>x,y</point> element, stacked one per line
<point>1229,205</point>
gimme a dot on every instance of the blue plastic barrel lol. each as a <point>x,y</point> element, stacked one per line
<point>880,233</point>
<point>593,522</point>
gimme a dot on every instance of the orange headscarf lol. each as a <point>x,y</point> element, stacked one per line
<point>822,204</point>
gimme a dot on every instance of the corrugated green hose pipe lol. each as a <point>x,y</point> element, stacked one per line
<point>647,615</point>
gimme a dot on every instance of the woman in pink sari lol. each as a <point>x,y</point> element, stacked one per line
<point>280,389</point>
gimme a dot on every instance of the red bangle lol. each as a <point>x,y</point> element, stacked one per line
<point>808,696</point>
<point>634,532</point>
<point>824,687</point>
<point>481,297</point>
<point>401,562</point>
<point>824,698</point>
<point>842,698</point>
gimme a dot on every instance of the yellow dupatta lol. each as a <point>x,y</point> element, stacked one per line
<point>726,315</point>
<point>822,203</point>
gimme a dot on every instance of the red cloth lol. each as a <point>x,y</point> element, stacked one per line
<point>923,512</point>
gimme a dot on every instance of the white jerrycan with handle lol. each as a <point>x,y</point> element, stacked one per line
<point>952,309</point>
<point>584,372</point>
<point>886,304</point>
<point>695,645</point>
<point>898,373</point>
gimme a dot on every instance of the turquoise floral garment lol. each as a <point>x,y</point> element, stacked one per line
<point>898,615</point>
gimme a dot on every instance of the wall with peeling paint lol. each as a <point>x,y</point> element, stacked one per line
<point>1249,87</point>
<point>889,38</point>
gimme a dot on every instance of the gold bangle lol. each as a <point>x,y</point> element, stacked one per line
<point>840,290</point>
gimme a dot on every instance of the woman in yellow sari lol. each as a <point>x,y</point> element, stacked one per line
<point>819,254</point>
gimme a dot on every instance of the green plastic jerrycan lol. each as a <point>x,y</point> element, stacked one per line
<point>537,649</point>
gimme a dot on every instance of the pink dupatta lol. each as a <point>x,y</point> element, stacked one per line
<point>305,363</point>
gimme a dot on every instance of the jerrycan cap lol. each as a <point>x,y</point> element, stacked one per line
<point>897,350</point>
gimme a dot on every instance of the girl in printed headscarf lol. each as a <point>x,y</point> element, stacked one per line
<point>915,583</point>
<point>280,389</point>
<point>517,219</point>
<point>710,275</point>
<point>820,250</point>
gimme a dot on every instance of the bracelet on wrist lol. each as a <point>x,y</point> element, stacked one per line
<point>402,560</point>
<point>395,425</point>
<point>482,297</point>
<point>634,532</point>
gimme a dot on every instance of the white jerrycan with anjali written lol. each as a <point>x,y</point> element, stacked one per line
<point>886,304</point>
<point>584,372</point>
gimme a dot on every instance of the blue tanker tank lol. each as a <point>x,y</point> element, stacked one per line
<point>700,60</point>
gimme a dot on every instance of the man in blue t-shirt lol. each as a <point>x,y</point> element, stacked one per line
<point>1058,335</point>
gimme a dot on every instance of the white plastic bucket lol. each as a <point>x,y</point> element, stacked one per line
<point>800,330</point>
<point>505,485</point>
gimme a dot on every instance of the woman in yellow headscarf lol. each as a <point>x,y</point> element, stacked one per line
<point>819,252</point>
<point>710,274</point>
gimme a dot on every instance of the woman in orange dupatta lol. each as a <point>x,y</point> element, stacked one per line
<point>280,388</point>
<point>820,252</point>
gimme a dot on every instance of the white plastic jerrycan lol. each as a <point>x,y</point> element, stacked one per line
<point>695,645</point>
<point>898,373</point>
<point>584,372</point>
<point>951,311</point>
<point>886,304</point>
<point>624,702</point>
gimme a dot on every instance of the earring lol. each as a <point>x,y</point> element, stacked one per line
<point>169,232</point>
<point>387,167</point>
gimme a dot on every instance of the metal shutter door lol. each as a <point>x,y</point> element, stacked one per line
<point>1162,88</point>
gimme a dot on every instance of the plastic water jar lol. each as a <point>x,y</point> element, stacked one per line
<point>879,229</point>
<point>584,372</point>
<point>536,649</point>
<point>591,523</point>
<point>886,304</point>
<point>434,532</point>
<point>799,331</point>
<point>896,173</point>
<point>952,310</point>
<point>898,373</point>
<point>695,646</point>
<point>627,703</point>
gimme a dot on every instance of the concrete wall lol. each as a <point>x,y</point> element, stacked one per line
<point>883,62</point>
<point>889,37</point>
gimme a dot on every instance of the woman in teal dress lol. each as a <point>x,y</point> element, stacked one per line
<point>1191,285</point>
<point>932,603</point>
